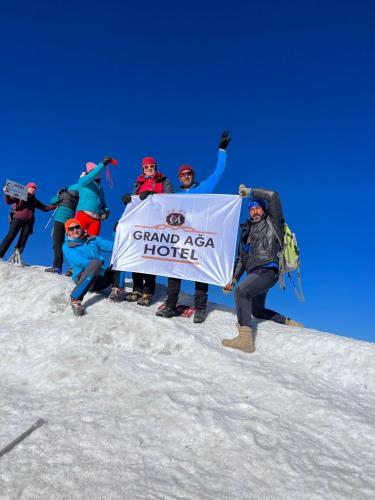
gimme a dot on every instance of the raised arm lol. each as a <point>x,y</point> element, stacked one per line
<point>209,185</point>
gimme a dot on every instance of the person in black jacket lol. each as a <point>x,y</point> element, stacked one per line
<point>258,255</point>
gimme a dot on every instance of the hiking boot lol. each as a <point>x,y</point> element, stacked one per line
<point>133,296</point>
<point>292,322</point>
<point>77,307</point>
<point>116,294</point>
<point>199,316</point>
<point>145,300</point>
<point>244,340</point>
<point>167,312</point>
<point>56,270</point>
<point>69,272</point>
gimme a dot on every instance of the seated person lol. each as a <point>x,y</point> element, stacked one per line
<point>84,254</point>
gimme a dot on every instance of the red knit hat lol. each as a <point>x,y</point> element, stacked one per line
<point>186,168</point>
<point>71,221</point>
<point>31,185</point>
<point>149,160</point>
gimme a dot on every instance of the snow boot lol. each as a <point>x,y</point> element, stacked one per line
<point>56,270</point>
<point>244,340</point>
<point>292,322</point>
<point>167,312</point>
<point>145,300</point>
<point>199,316</point>
<point>77,307</point>
<point>116,294</point>
<point>133,296</point>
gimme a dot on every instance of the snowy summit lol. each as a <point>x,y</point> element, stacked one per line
<point>140,407</point>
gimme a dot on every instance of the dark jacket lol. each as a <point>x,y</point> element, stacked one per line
<point>259,244</point>
<point>67,201</point>
<point>24,210</point>
<point>159,183</point>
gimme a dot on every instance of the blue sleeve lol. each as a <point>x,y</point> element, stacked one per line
<point>55,200</point>
<point>86,179</point>
<point>75,258</point>
<point>209,185</point>
<point>104,245</point>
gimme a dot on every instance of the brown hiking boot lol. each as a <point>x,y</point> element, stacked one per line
<point>145,300</point>
<point>133,296</point>
<point>292,322</point>
<point>244,340</point>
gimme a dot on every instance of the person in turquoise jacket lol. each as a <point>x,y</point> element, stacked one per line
<point>92,207</point>
<point>85,255</point>
<point>188,185</point>
<point>67,200</point>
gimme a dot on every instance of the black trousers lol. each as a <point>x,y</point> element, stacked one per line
<point>15,227</point>
<point>144,283</point>
<point>250,297</point>
<point>200,295</point>
<point>91,280</point>
<point>58,237</point>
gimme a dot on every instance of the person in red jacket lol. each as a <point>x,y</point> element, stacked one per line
<point>22,219</point>
<point>150,182</point>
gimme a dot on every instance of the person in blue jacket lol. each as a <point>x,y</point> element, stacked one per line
<point>186,175</point>
<point>92,207</point>
<point>84,253</point>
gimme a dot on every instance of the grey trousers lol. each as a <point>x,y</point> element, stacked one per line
<point>250,297</point>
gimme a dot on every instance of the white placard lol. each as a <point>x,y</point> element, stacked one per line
<point>16,190</point>
<point>185,236</point>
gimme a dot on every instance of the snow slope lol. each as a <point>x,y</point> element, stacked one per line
<point>140,407</point>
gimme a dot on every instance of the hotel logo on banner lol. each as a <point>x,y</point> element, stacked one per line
<point>173,241</point>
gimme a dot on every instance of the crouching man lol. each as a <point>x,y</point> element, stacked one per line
<point>258,255</point>
<point>84,254</point>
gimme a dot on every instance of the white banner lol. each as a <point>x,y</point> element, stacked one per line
<point>187,236</point>
<point>16,190</point>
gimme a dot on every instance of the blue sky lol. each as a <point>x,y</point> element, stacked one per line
<point>293,82</point>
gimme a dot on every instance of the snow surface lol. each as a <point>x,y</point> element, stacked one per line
<point>140,407</point>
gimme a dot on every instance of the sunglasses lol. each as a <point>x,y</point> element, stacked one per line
<point>186,174</point>
<point>149,167</point>
<point>74,228</point>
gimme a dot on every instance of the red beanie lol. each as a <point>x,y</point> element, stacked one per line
<point>31,185</point>
<point>185,168</point>
<point>149,160</point>
<point>71,221</point>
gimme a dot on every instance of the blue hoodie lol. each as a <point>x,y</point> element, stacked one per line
<point>79,252</point>
<point>91,194</point>
<point>209,185</point>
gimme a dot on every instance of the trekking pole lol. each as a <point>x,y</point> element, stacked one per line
<point>53,213</point>
<point>31,429</point>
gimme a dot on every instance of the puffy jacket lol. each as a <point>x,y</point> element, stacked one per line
<point>80,251</point>
<point>209,185</point>
<point>259,246</point>
<point>67,200</point>
<point>158,183</point>
<point>91,194</point>
<point>24,210</point>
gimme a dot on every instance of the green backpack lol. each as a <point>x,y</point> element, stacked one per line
<point>289,259</point>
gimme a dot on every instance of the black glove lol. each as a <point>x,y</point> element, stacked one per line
<point>224,140</point>
<point>61,191</point>
<point>144,194</point>
<point>126,198</point>
<point>107,159</point>
<point>106,214</point>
